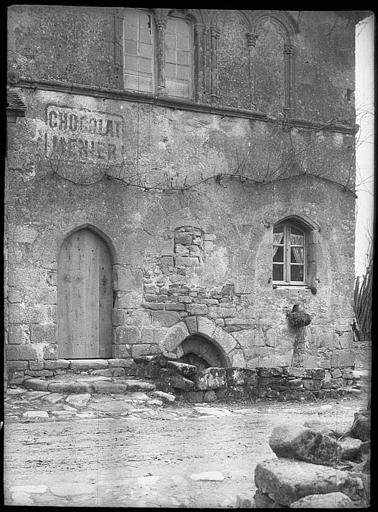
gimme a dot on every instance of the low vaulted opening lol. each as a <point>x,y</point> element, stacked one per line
<point>202,352</point>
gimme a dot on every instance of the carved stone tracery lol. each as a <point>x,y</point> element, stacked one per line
<point>206,36</point>
<point>251,43</point>
<point>161,25</point>
<point>214,34</point>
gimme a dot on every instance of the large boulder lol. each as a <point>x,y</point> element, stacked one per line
<point>211,378</point>
<point>330,500</point>
<point>361,425</point>
<point>286,481</point>
<point>302,443</point>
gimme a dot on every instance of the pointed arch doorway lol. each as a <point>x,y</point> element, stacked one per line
<point>85,296</point>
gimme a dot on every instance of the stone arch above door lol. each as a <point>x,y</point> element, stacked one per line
<point>223,342</point>
<point>85,296</point>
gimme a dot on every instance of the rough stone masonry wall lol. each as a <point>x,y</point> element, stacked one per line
<point>227,282</point>
<point>183,262</point>
<point>245,384</point>
<point>79,45</point>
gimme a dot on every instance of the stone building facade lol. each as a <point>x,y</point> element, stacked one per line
<point>180,179</point>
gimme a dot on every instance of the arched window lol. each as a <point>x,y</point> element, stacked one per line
<point>178,56</point>
<point>290,253</point>
<point>139,61</point>
<point>158,55</point>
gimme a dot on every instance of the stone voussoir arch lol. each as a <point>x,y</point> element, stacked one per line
<point>207,328</point>
<point>282,20</point>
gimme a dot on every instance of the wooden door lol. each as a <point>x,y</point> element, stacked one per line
<point>84,297</point>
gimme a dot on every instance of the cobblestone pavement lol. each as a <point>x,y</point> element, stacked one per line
<point>131,450</point>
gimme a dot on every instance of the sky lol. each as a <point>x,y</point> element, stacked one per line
<point>364,140</point>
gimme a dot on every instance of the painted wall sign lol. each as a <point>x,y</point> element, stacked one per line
<point>82,135</point>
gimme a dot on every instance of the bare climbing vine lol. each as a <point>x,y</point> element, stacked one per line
<point>296,159</point>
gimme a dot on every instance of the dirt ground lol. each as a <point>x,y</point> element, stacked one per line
<point>153,456</point>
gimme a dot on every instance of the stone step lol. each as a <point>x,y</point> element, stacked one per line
<point>88,384</point>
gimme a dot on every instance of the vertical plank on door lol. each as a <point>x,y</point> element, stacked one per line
<point>105,301</point>
<point>84,302</point>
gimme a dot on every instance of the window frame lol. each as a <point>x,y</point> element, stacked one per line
<point>287,263</point>
<point>176,15</point>
<point>159,51</point>
<point>154,51</point>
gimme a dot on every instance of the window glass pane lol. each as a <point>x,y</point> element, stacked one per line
<point>177,88</point>
<point>170,41</point>
<point>145,65</point>
<point>296,236</point>
<point>277,272</point>
<point>296,231</point>
<point>183,57</point>
<point>178,58</point>
<point>296,239</point>
<point>131,31</point>
<point>183,73</point>
<point>131,47</point>
<point>171,28</point>
<point>170,56</point>
<point>297,255</point>
<point>131,63</point>
<point>183,39</point>
<point>170,71</point>
<point>278,253</point>
<point>278,228</point>
<point>278,238</point>
<point>132,16</point>
<point>139,51</point>
<point>138,82</point>
<point>146,31</point>
<point>145,50</point>
<point>296,272</point>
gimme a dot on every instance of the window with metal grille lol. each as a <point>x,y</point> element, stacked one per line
<point>178,57</point>
<point>139,62</point>
<point>289,253</point>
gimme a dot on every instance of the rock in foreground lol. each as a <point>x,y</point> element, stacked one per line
<point>330,500</point>
<point>287,481</point>
<point>303,443</point>
<point>361,425</point>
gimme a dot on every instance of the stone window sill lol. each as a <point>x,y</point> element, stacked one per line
<point>290,286</point>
